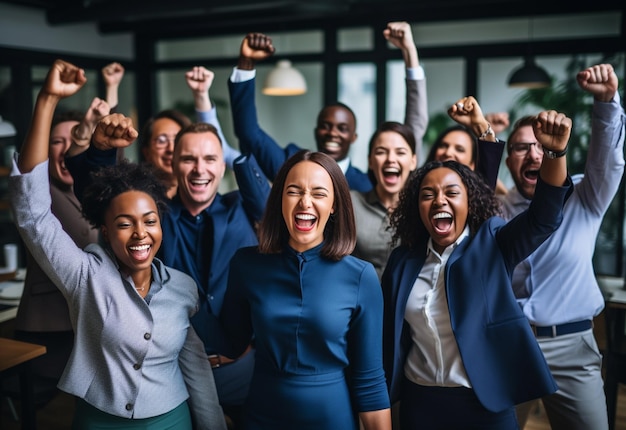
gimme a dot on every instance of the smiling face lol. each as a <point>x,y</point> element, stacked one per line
<point>160,151</point>
<point>307,203</point>
<point>335,131</point>
<point>391,160</point>
<point>199,168</point>
<point>525,169</point>
<point>443,206</point>
<point>60,142</point>
<point>132,228</point>
<point>458,146</point>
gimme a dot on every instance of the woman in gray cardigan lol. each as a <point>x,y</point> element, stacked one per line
<point>136,359</point>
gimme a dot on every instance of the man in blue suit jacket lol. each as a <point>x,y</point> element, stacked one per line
<point>334,133</point>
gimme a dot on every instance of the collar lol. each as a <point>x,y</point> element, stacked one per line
<point>344,164</point>
<point>450,248</point>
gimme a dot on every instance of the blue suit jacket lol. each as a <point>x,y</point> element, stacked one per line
<point>253,140</point>
<point>499,351</point>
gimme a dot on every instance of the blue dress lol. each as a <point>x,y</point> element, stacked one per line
<point>317,327</point>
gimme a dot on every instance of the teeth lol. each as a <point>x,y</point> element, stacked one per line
<point>441,215</point>
<point>391,170</point>
<point>199,181</point>
<point>140,247</point>
<point>305,217</point>
<point>332,145</point>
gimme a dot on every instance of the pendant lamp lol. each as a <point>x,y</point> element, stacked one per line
<point>284,80</point>
<point>529,75</point>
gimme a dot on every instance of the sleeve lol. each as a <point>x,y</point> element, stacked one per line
<point>253,186</point>
<point>235,318</point>
<point>416,112</point>
<point>54,250</point>
<point>365,346</point>
<point>489,157</point>
<point>605,157</point>
<point>82,165</point>
<point>204,405</point>
<point>210,117</point>
<point>252,139</point>
<point>522,235</point>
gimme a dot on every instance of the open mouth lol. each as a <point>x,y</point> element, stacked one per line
<point>140,252</point>
<point>531,175</point>
<point>442,223</point>
<point>198,184</point>
<point>332,147</point>
<point>305,222</point>
<point>391,175</point>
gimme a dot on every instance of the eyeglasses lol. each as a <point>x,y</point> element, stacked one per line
<point>521,149</point>
<point>164,139</point>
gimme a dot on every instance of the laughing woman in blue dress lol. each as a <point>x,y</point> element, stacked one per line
<point>315,312</point>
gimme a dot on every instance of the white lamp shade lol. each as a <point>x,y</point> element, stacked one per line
<point>6,129</point>
<point>284,80</point>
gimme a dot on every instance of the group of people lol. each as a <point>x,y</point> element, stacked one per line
<point>324,299</point>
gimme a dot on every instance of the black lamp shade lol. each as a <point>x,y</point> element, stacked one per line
<point>530,75</point>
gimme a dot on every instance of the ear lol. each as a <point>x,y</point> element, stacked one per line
<point>105,234</point>
<point>356,136</point>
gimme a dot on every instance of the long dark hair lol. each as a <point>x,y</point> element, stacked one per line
<point>408,227</point>
<point>340,230</point>
<point>444,133</point>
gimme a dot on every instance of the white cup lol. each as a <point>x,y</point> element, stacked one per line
<point>10,258</point>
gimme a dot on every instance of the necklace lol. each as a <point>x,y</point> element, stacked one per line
<point>142,289</point>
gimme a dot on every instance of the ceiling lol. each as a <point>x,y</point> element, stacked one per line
<point>174,17</point>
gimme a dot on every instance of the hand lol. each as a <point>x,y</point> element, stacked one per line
<point>199,79</point>
<point>552,129</point>
<point>112,74</point>
<point>399,35</point>
<point>499,121</point>
<point>466,111</point>
<point>600,81</point>
<point>114,131</point>
<point>97,110</point>
<point>254,47</point>
<point>63,80</point>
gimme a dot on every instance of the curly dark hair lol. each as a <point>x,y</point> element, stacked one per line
<point>406,222</point>
<point>111,181</point>
<point>340,230</point>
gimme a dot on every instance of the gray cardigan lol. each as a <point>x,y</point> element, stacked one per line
<point>130,358</point>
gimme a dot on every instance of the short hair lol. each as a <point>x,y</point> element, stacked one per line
<point>339,105</point>
<point>110,181</point>
<point>390,126</point>
<point>340,230</point>
<point>65,116</point>
<point>197,127</point>
<point>146,132</point>
<point>406,222</point>
<point>444,133</point>
<point>525,121</point>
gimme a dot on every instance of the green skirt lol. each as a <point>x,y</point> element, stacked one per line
<point>89,417</point>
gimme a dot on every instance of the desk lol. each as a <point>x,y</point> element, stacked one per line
<point>15,356</point>
<point>615,355</point>
<point>11,289</point>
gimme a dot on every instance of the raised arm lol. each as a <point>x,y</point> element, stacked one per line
<point>400,35</point>
<point>112,74</point>
<point>552,130</point>
<point>63,80</point>
<point>467,112</point>
<point>81,132</point>
<point>604,166</point>
<point>252,139</point>
<point>199,80</point>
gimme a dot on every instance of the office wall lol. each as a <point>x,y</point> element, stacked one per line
<point>26,28</point>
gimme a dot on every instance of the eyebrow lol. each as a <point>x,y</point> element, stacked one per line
<point>131,216</point>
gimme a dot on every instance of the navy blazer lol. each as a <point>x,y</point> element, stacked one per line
<point>253,140</point>
<point>499,351</point>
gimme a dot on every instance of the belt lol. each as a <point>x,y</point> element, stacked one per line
<point>217,360</point>
<point>561,329</point>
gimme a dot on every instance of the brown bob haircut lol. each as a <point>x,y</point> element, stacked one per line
<point>340,230</point>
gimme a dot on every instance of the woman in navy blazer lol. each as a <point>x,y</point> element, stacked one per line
<point>458,352</point>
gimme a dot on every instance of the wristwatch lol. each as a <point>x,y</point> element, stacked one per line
<point>553,154</point>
